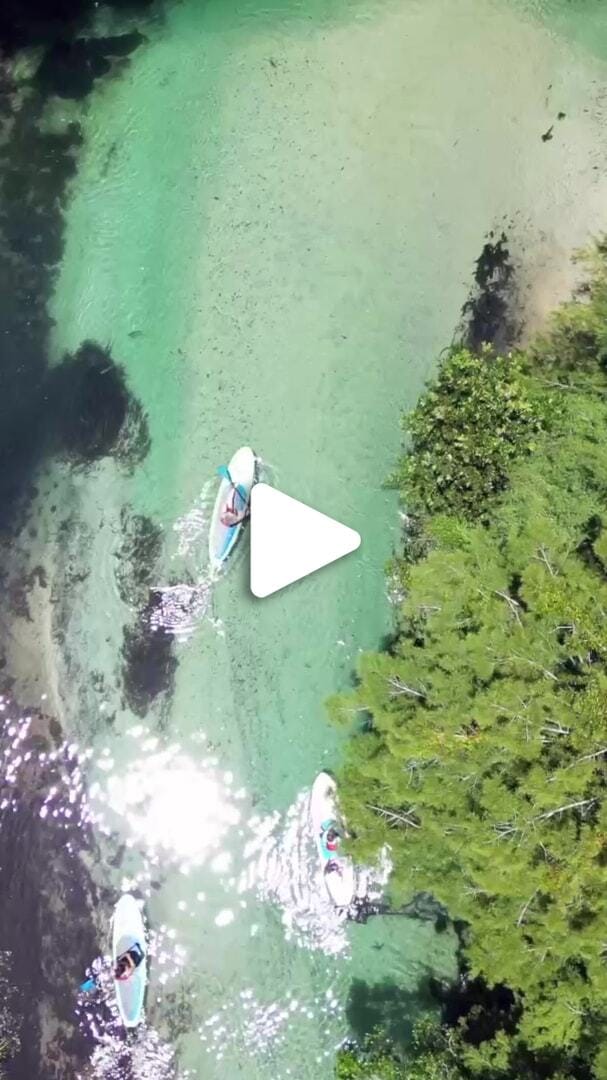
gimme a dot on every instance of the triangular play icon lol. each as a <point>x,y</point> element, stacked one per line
<point>290,540</point>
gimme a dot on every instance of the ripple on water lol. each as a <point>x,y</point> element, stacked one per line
<point>283,867</point>
<point>53,782</point>
<point>144,1057</point>
<point>256,1028</point>
<point>172,806</point>
<point>184,603</point>
<point>177,808</point>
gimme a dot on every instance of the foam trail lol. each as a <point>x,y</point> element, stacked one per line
<point>183,605</point>
<point>282,867</point>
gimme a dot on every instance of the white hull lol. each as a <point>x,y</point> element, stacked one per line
<point>340,882</point>
<point>128,929</point>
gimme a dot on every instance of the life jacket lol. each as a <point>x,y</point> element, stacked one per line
<point>328,852</point>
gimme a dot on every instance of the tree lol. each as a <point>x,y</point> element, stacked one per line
<point>482,761</point>
<point>432,1058</point>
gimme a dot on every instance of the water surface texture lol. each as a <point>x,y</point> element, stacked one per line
<point>273,227</point>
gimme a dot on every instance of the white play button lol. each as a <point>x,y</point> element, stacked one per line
<point>289,540</point>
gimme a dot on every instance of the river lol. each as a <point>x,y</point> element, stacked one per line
<point>273,226</point>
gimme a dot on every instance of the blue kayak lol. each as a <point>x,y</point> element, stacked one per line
<point>232,502</point>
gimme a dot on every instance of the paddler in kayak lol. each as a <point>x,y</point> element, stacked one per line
<point>332,841</point>
<point>128,962</point>
<point>232,516</point>
<point>329,839</point>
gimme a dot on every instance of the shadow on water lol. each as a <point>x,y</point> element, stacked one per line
<point>488,315</point>
<point>387,1007</point>
<point>36,166</point>
<point>24,23</point>
<point>148,660</point>
<point>81,410</point>
<point>149,663</point>
<point>91,412</point>
<point>70,68</point>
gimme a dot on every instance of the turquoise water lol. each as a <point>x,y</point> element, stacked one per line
<point>274,226</point>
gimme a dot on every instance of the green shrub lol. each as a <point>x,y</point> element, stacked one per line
<point>473,422</point>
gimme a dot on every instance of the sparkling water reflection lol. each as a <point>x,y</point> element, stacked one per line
<point>176,807</point>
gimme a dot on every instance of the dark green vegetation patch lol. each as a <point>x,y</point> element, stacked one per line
<point>480,415</point>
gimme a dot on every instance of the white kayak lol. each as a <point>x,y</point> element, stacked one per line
<point>128,930</point>
<point>234,494</point>
<point>338,870</point>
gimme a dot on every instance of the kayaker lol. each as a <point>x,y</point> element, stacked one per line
<point>128,962</point>
<point>332,840</point>
<point>232,517</point>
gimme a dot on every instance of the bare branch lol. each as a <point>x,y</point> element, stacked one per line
<point>505,830</point>
<point>415,768</point>
<point>512,604</point>
<point>574,1009</point>
<point>588,757</point>
<point>581,804</point>
<point>399,687</point>
<point>579,761</point>
<point>553,728</point>
<point>575,387</point>
<point>525,908</point>
<point>534,663</point>
<point>395,818</point>
<point>542,556</point>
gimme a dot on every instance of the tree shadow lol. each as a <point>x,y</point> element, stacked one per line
<point>387,1007</point>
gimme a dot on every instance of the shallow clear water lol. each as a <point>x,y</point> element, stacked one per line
<point>274,226</point>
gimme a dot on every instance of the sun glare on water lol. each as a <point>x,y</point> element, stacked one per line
<point>174,805</point>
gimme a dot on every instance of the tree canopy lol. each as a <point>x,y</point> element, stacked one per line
<point>482,759</point>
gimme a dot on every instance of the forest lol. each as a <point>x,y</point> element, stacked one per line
<point>479,757</point>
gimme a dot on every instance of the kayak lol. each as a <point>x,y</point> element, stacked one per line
<point>337,869</point>
<point>129,932</point>
<point>233,494</point>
